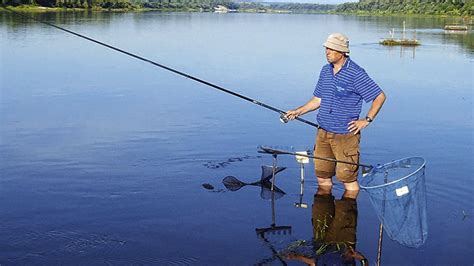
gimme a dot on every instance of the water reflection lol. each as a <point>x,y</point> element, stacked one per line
<point>334,232</point>
<point>268,190</point>
<point>266,234</point>
<point>77,132</point>
<point>427,27</point>
<point>334,222</point>
<point>403,51</point>
<point>266,183</point>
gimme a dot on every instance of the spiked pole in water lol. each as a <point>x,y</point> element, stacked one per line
<point>302,160</point>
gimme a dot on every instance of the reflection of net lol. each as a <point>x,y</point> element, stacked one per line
<point>397,192</point>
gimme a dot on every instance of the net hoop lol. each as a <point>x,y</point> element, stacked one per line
<point>421,167</point>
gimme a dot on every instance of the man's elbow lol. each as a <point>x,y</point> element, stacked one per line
<point>381,97</point>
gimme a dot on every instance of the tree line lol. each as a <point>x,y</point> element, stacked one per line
<point>292,7</point>
<point>434,7</point>
<point>201,5</point>
<point>125,4</point>
<point>428,7</point>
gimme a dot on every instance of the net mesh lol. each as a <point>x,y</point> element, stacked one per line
<point>397,192</point>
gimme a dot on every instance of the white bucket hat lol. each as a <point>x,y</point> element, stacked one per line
<point>338,42</point>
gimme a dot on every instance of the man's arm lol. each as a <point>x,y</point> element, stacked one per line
<point>311,105</point>
<point>358,125</point>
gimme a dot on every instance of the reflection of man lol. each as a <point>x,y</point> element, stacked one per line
<point>334,230</point>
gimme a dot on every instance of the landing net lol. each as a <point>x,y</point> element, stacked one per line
<point>397,192</point>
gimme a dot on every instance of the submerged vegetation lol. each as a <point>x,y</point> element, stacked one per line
<point>403,42</point>
<point>370,7</point>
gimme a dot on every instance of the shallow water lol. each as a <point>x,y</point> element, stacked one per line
<point>103,157</point>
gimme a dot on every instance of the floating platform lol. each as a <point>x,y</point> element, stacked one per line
<point>403,42</point>
<point>456,27</point>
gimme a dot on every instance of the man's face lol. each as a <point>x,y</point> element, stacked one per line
<point>333,56</point>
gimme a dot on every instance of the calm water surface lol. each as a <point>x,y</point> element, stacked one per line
<point>103,157</point>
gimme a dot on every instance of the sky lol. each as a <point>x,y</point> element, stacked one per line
<point>314,1</point>
<point>327,1</point>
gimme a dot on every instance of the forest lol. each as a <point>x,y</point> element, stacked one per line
<point>428,7</point>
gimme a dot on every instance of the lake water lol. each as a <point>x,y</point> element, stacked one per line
<point>103,157</point>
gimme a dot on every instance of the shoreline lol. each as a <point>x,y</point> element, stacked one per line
<point>381,14</point>
<point>35,8</point>
<point>32,8</point>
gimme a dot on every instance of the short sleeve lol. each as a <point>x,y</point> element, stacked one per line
<point>318,90</point>
<point>366,87</point>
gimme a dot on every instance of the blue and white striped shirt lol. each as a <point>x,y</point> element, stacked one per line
<point>341,95</point>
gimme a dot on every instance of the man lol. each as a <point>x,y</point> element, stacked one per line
<point>338,95</point>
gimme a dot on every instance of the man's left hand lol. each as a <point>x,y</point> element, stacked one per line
<point>357,125</point>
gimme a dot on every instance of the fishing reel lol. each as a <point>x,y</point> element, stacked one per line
<point>283,118</point>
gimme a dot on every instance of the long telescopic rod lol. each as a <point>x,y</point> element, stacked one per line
<point>164,67</point>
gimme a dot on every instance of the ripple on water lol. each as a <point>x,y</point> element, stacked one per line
<point>62,246</point>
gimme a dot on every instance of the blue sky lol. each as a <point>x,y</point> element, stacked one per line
<point>314,1</point>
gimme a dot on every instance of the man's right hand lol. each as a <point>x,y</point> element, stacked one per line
<point>292,114</point>
<point>311,105</point>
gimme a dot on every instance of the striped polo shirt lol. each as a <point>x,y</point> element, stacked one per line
<point>341,95</point>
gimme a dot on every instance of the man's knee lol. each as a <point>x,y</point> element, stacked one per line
<point>324,181</point>
<point>352,186</point>
<point>323,190</point>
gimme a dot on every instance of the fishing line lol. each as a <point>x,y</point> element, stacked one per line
<point>281,112</point>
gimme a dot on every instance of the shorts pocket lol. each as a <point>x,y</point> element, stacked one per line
<point>350,155</point>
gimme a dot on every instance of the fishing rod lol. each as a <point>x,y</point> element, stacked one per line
<point>281,112</point>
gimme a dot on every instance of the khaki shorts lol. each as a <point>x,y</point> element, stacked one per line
<point>344,147</point>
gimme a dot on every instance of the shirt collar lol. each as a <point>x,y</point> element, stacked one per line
<point>345,65</point>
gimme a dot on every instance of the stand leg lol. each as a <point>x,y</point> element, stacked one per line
<point>274,170</point>
<point>379,250</point>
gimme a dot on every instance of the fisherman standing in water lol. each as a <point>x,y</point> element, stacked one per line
<point>338,95</point>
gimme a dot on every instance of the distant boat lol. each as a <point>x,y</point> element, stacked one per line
<point>403,41</point>
<point>456,27</point>
<point>223,9</point>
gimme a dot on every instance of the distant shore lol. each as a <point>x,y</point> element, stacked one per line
<point>381,14</point>
<point>33,8</point>
<point>36,8</point>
